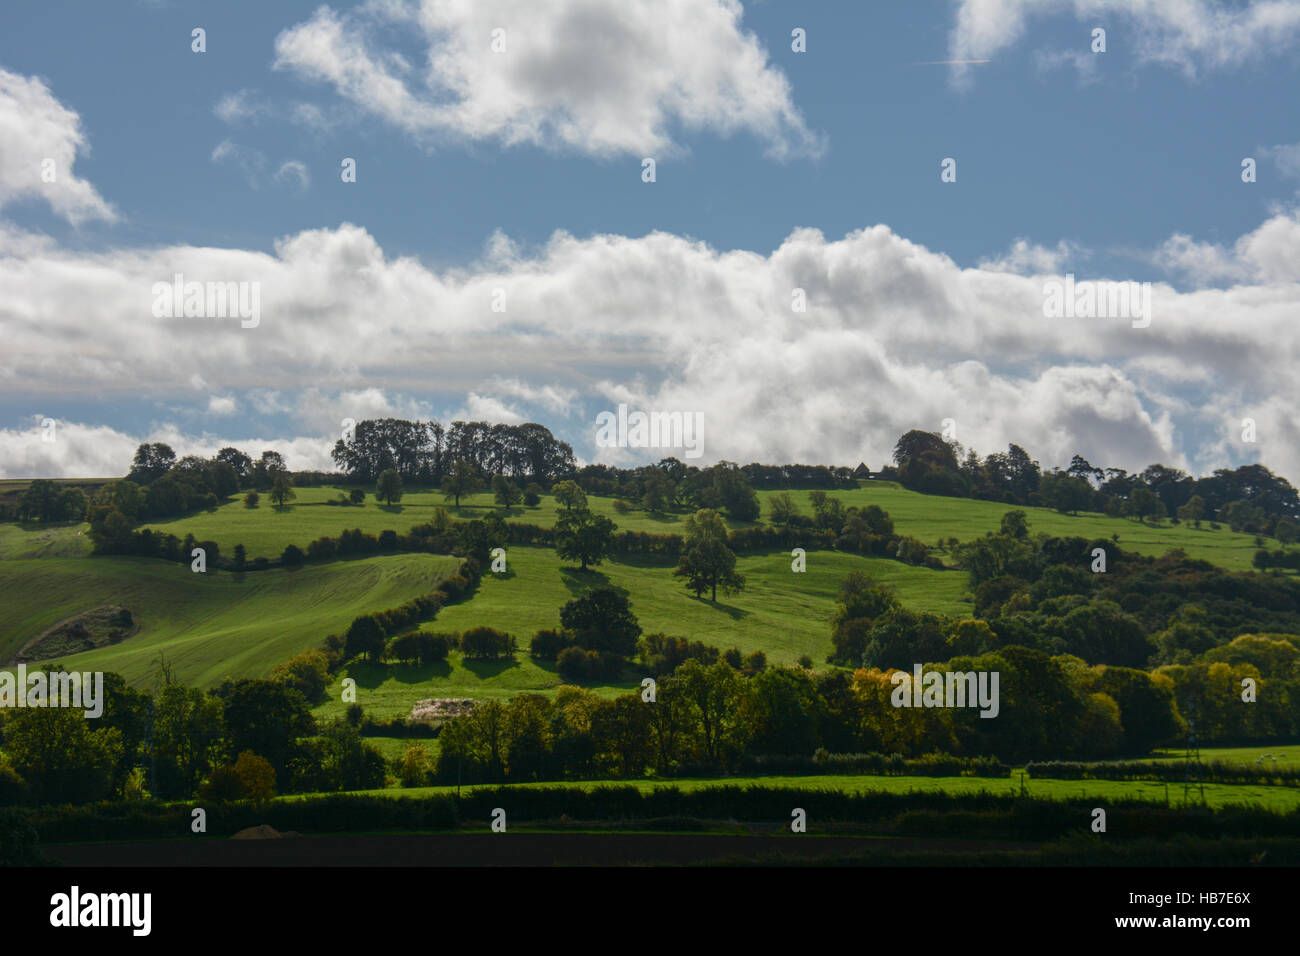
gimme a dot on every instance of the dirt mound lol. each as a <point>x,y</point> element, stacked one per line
<point>97,627</point>
<point>264,832</point>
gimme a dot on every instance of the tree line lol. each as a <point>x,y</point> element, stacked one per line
<point>1249,498</point>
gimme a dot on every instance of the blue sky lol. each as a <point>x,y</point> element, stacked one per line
<point>1122,165</point>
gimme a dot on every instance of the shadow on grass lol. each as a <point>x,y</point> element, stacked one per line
<point>735,613</point>
<point>580,583</point>
<point>486,670</point>
<point>419,673</point>
<point>366,674</point>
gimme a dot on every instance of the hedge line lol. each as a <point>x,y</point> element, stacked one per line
<point>980,814</point>
<point>1170,771</point>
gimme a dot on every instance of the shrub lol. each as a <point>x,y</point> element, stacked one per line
<point>357,495</point>
<point>414,770</point>
<point>256,776</point>
<point>621,506</point>
<point>307,672</point>
<point>13,788</point>
<point>575,665</point>
<point>222,786</point>
<point>292,557</point>
<point>547,645</point>
<point>251,499</point>
<point>486,643</point>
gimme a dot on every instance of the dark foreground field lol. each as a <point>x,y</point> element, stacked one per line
<point>518,849</point>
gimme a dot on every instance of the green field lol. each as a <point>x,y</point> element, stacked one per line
<point>208,626</point>
<point>265,531</point>
<point>1216,795</point>
<point>223,624</point>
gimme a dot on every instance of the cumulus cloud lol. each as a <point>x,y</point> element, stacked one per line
<point>39,142</point>
<point>81,450</point>
<point>222,405</point>
<point>895,336</point>
<point>1190,35</point>
<point>1268,254</point>
<point>598,79</point>
<point>1027,258</point>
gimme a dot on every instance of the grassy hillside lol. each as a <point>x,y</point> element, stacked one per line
<point>224,624</point>
<point>264,531</point>
<point>209,626</point>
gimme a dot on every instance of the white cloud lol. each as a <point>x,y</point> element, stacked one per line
<point>222,405</point>
<point>1191,35</point>
<point>895,337</point>
<point>1268,254</point>
<point>1286,157</point>
<point>251,162</point>
<point>38,133</point>
<point>1027,258</point>
<point>244,106</point>
<point>601,79</point>
<point>294,171</point>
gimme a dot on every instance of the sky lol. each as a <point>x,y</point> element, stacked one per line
<point>501,256</point>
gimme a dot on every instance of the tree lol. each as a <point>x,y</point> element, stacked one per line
<point>709,565</point>
<point>151,462</point>
<point>1286,531</point>
<point>1192,512</point>
<point>357,495</point>
<point>268,718</point>
<point>1015,525</point>
<point>584,537</point>
<point>569,496</point>
<point>240,556</point>
<point>40,502</point>
<point>533,494</point>
<point>238,461</point>
<point>656,492</point>
<point>389,488</point>
<point>63,756</point>
<point>463,480</point>
<point>505,492</point>
<point>1145,504</point>
<point>734,492</point>
<point>263,472</point>
<point>256,776</point>
<point>711,693</point>
<point>1066,494</point>
<point>782,511</point>
<point>365,637</point>
<point>282,488</point>
<point>252,498</point>
<point>602,621</point>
